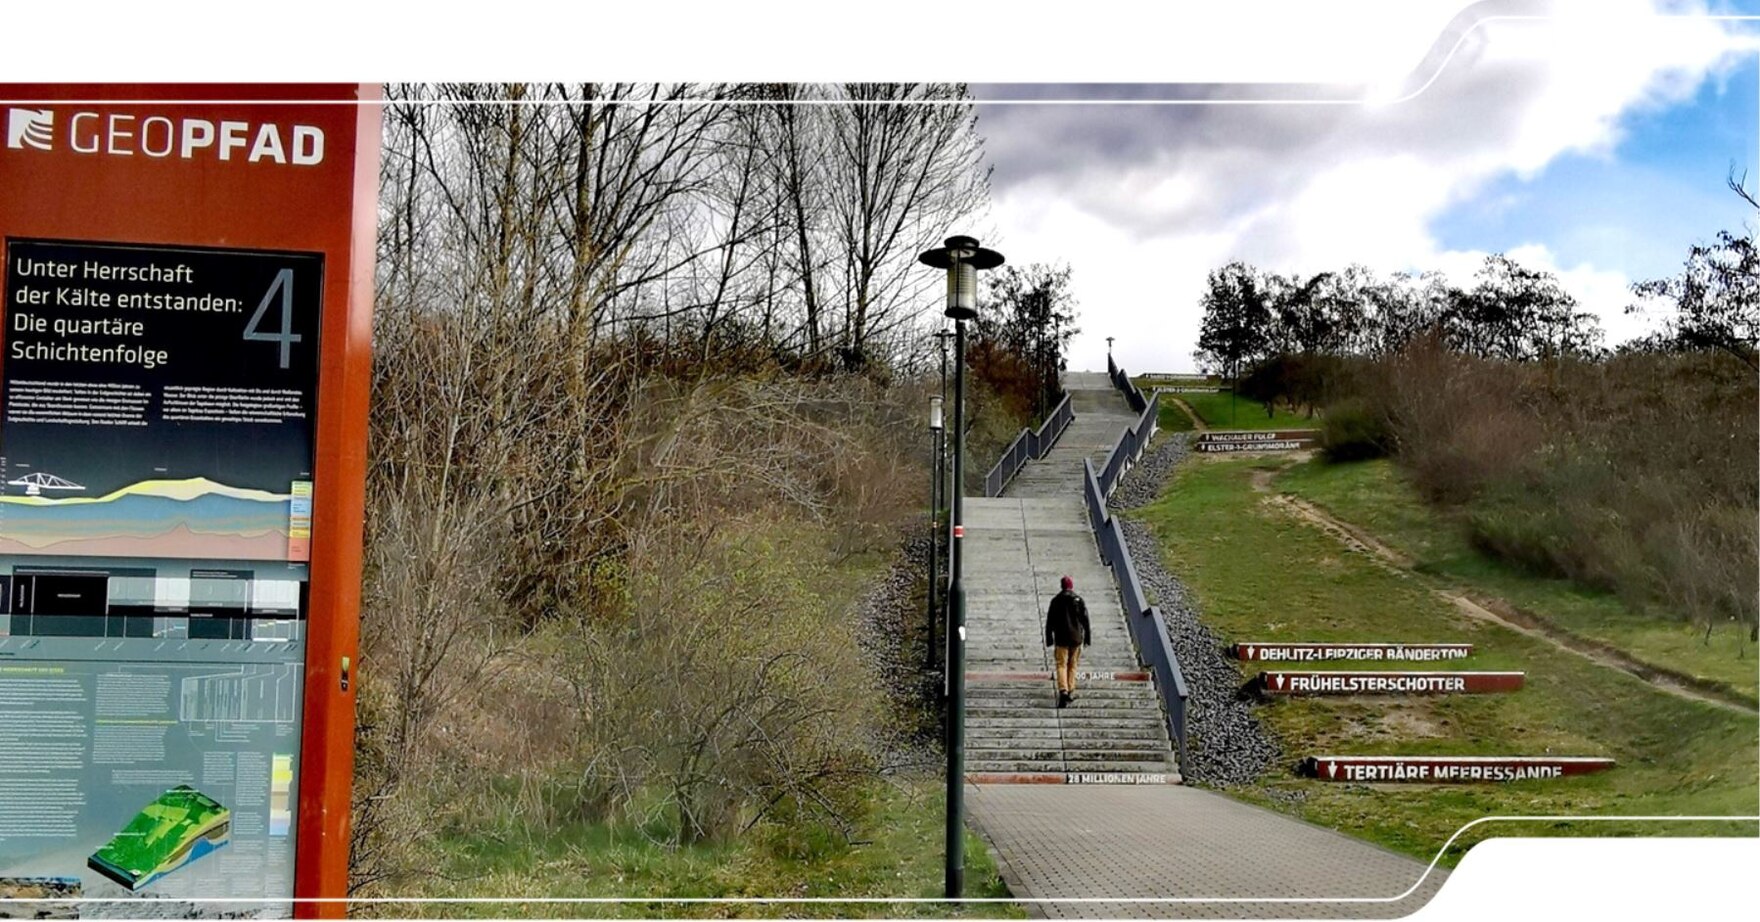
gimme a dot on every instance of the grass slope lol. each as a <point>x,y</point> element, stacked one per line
<point>1261,575</point>
<point>1170,418</point>
<point>1226,411</point>
<point>895,852</point>
<point>1374,497</point>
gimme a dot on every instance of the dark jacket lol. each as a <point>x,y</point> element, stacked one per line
<point>1066,623</point>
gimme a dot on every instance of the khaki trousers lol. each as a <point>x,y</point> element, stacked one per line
<point>1067,660</point>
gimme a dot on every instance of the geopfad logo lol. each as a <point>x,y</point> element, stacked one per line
<point>32,127</point>
<point>158,137</point>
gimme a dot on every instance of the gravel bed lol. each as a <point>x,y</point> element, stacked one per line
<point>1143,482</point>
<point>889,625</point>
<point>1229,745</point>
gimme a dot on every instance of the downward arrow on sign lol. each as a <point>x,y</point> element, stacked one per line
<point>1332,769</point>
<point>1249,653</point>
<point>1279,680</point>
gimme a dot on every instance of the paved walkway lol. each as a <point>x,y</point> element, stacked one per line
<point>1083,842</point>
<point>1087,841</point>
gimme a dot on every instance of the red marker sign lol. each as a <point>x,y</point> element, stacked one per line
<point>1388,683</point>
<point>1448,769</point>
<point>959,531</point>
<point>1371,652</point>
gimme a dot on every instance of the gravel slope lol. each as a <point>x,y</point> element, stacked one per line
<point>1229,746</point>
<point>889,630</point>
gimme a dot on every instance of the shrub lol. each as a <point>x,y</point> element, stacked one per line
<point>1634,473</point>
<point>731,689</point>
<point>1352,430</point>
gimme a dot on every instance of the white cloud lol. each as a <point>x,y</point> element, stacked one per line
<point>1143,202</point>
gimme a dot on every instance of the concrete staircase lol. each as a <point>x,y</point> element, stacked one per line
<point>1017,547</point>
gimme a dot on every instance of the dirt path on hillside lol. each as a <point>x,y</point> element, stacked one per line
<point>1500,611</point>
<point>1186,408</point>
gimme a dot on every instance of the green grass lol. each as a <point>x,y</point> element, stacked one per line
<point>1260,574</point>
<point>896,851</point>
<point>1374,497</point>
<point>1226,411</point>
<point>1170,418</point>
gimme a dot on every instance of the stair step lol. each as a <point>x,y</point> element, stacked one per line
<point>1042,765</point>
<point>1049,701</point>
<point>1063,739</point>
<point>1073,758</point>
<point>1169,777</point>
<point>1146,736</point>
<point>1038,687</point>
<point>1145,722</point>
<point>987,765</point>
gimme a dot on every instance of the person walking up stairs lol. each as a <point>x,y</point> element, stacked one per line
<point>1067,629</point>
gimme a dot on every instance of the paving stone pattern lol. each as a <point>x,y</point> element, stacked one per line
<point>1080,847</point>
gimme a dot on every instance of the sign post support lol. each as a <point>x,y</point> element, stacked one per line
<point>184,372</point>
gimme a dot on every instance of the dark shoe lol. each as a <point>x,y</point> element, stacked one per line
<point>1069,696</point>
<point>1062,699</point>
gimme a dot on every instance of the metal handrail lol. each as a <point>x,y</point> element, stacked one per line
<point>1148,630</point>
<point>1052,429</point>
<point>1013,458</point>
<point>1029,445</point>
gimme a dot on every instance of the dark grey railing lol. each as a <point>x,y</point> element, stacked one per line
<point>1030,445</point>
<point>1147,629</point>
<point>1122,381</point>
<point>1130,445</point>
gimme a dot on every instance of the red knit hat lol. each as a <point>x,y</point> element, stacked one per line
<point>1069,583</point>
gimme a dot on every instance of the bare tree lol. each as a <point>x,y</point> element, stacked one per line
<point>904,165</point>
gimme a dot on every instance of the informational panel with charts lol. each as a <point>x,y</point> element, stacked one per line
<point>157,446</point>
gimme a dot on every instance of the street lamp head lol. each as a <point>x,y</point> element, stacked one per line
<point>962,257</point>
<point>935,413</point>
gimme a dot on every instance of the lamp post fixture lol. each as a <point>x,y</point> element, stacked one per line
<point>1109,365</point>
<point>935,485</point>
<point>962,258</point>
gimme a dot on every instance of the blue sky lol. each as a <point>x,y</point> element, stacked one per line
<point>1640,205</point>
<point>1590,140</point>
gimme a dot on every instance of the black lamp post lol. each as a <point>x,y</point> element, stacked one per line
<point>935,485</point>
<point>962,258</point>
<point>942,336</point>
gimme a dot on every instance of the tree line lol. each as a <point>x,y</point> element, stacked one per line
<point>1629,469</point>
<point>779,217</point>
<point>1510,312</point>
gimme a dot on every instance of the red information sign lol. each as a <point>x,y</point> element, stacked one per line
<point>1371,652</point>
<point>188,287</point>
<point>1387,683</point>
<point>1448,769</point>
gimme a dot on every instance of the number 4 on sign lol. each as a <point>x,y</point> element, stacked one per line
<point>284,284</point>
